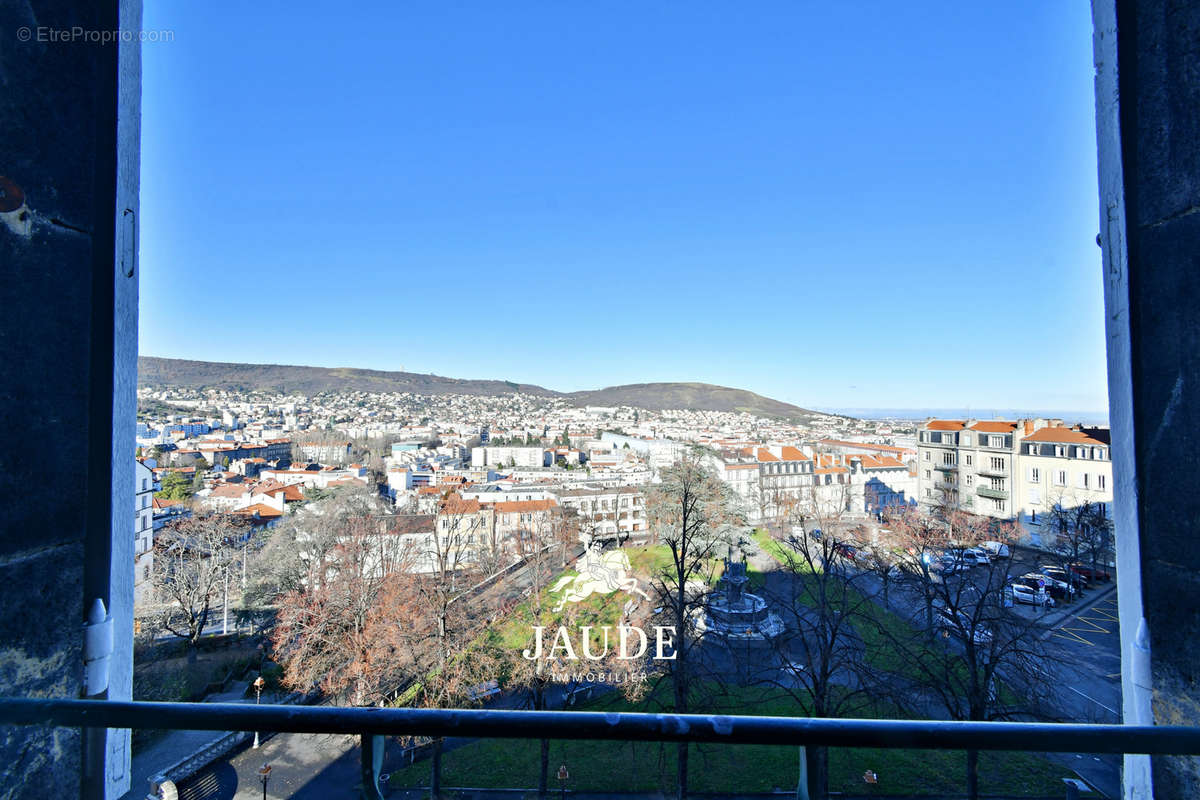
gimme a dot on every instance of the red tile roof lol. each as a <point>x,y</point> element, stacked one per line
<point>454,504</point>
<point>866,445</point>
<point>263,511</point>
<point>994,426</point>
<point>1062,436</point>
<point>944,425</point>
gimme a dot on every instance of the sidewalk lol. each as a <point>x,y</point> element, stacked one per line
<point>176,746</point>
<point>1063,612</point>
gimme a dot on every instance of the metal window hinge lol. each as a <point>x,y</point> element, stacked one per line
<point>97,649</point>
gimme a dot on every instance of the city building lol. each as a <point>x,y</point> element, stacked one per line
<point>509,457</point>
<point>607,513</point>
<point>1013,470</point>
<point>1064,467</point>
<point>143,532</point>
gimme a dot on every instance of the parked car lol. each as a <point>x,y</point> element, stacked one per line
<point>1091,573</point>
<point>1073,578</point>
<point>968,555</point>
<point>946,622</point>
<point>845,550</point>
<point>1022,593</point>
<point>963,559</point>
<point>996,550</point>
<point>949,564</point>
<point>1057,589</point>
<point>981,555</point>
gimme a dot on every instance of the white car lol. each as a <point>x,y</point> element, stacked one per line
<point>967,555</point>
<point>1024,594</point>
<point>956,560</point>
<point>945,623</point>
<point>996,550</point>
<point>1056,588</point>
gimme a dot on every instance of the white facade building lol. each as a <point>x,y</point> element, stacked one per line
<point>509,456</point>
<point>1013,470</point>
<point>143,532</point>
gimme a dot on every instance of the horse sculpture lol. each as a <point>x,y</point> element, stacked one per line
<point>599,572</point>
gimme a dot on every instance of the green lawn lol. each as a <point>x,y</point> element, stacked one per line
<point>769,545</point>
<point>641,766</point>
<point>634,766</point>
<point>874,633</point>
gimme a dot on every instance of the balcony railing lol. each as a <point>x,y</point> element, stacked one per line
<point>946,467</point>
<point>992,472</point>
<point>987,491</point>
<point>373,723</point>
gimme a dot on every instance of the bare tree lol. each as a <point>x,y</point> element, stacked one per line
<point>295,553</point>
<point>825,597</point>
<point>333,632</point>
<point>537,550</point>
<point>446,568</point>
<point>191,565</point>
<point>989,662</point>
<point>692,511</point>
<point>1081,534</point>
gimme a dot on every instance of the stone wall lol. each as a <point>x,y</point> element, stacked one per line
<point>1159,69</point>
<point>61,182</point>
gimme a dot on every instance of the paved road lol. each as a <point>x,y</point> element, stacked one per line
<point>1087,651</point>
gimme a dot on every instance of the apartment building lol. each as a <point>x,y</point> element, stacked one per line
<point>509,456</point>
<point>613,513</point>
<point>1012,470</point>
<point>325,452</point>
<point>773,480</point>
<point>741,472</point>
<point>518,520</point>
<point>1064,467</point>
<point>143,532</point>
<point>968,465</point>
<point>785,478</point>
<point>881,483</point>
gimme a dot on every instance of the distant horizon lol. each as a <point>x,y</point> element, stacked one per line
<point>864,412</point>
<point>1081,416</point>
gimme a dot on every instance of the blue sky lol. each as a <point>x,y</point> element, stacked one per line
<point>833,204</point>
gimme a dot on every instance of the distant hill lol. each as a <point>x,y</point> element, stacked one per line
<point>695,396</point>
<point>161,372</point>
<point>172,372</point>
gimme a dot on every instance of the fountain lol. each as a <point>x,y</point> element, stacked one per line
<point>733,613</point>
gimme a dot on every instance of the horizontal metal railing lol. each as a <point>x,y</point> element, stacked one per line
<point>797,731</point>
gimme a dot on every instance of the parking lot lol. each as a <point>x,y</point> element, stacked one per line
<point>1097,626</point>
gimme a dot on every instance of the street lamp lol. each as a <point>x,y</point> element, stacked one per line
<point>258,685</point>
<point>264,775</point>
<point>562,781</point>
